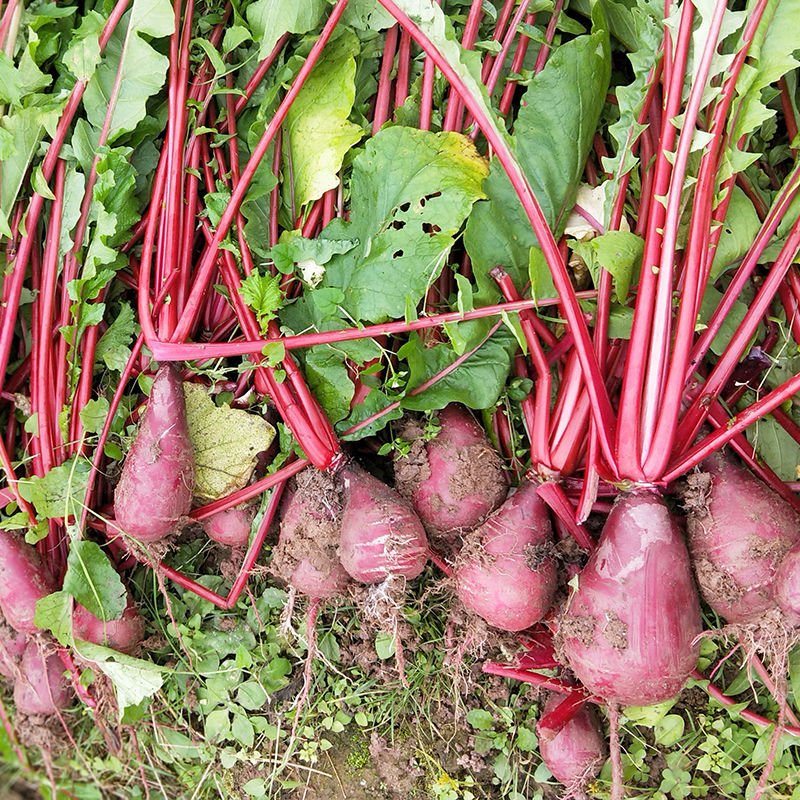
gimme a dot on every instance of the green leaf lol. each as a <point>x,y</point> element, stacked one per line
<point>270,19</point>
<point>242,730</point>
<point>234,36</point>
<point>480,718</point>
<point>648,715</point>
<point>143,68</point>
<point>539,275</point>
<point>262,292</point>
<point>778,449</point>
<point>771,55</point>
<point>329,381</point>
<point>93,581</point>
<point>74,187</point>
<point>226,442</point>
<point>20,134</point>
<point>256,204</point>
<point>94,415</point>
<point>367,15</point>
<point>308,256</point>
<point>385,645</point>
<point>54,614</point>
<point>133,680</point>
<point>114,345</point>
<point>375,401</point>
<point>552,137</point>
<point>274,674</point>
<point>83,54</point>
<point>738,232</point>
<point>669,730</point>
<point>476,383</point>
<point>731,323</point>
<point>619,252</point>
<point>640,26</point>
<point>59,493</point>
<point>794,673</point>
<point>317,126</point>
<point>411,191</point>
<point>251,695</point>
<point>255,787</point>
<point>527,740</point>
<point>10,81</point>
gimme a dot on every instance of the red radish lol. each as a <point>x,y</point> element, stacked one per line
<point>739,532</point>
<point>41,687</point>
<point>381,534</point>
<point>576,753</point>
<point>629,628</point>
<point>787,586</point>
<point>23,581</point>
<point>12,646</point>
<point>453,481</point>
<point>504,573</point>
<point>232,526</point>
<point>306,554</point>
<point>155,489</point>
<point>124,634</point>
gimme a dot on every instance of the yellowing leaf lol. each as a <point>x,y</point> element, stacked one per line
<point>317,129</point>
<point>226,442</point>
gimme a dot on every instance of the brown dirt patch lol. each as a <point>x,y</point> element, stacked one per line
<point>313,530</point>
<point>717,586</point>
<point>615,631</point>
<point>774,549</point>
<point>412,469</point>
<point>576,627</point>
<point>357,768</point>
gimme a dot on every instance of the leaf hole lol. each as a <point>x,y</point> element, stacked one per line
<point>397,254</point>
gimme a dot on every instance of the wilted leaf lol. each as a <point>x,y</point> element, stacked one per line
<point>226,442</point>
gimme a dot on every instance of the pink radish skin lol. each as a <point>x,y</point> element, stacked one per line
<point>628,630</point>
<point>576,754</point>
<point>739,532</point>
<point>497,580</point>
<point>23,581</point>
<point>41,687</point>
<point>12,648</point>
<point>306,555</point>
<point>231,527</point>
<point>155,489</point>
<point>787,586</point>
<point>381,533</point>
<point>124,634</point>
<point>455,480</point>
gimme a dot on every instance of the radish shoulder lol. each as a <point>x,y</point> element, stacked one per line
<point>23,581</point>
<point>578,751</point>
<point>629,628</point>
<point>381,534</point>
<point>787,586</point>
<point>739,532</point>
<point>456,479</point>
<point>124,634</point>
<point>505,573</point>
<point>306,556</point>
<point>155,488</point>
<point>232,526</point>
<point>41,687</point>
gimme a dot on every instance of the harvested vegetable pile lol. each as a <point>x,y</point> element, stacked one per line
<point>336,289</point>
